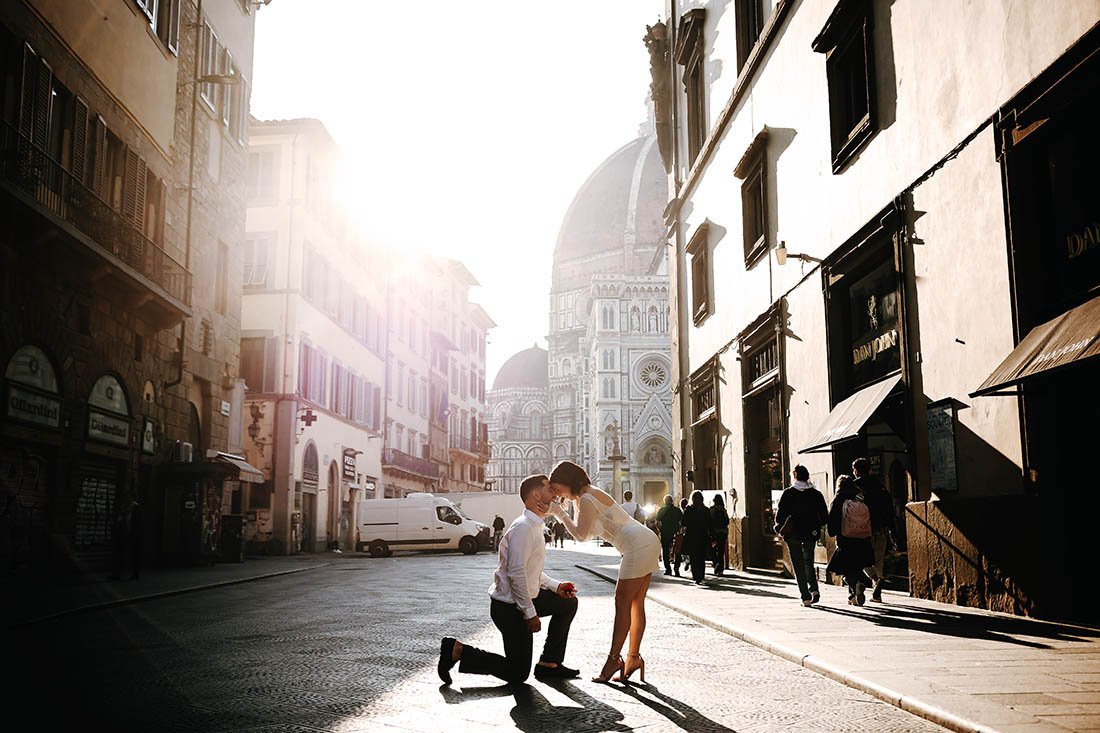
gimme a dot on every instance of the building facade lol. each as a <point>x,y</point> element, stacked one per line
<point>519,426</point>
<point>609,366</point>
<point>122,182</point>
<point>313,343</point>
<point>884,236</point>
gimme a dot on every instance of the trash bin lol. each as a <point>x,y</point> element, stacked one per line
<point>232,538</point>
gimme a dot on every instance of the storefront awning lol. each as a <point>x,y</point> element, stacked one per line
<point>245,471</point>
<point>849,417</point>
<point>1069,338</point>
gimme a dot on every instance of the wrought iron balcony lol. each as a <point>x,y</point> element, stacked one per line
<point>41,183</point>
<point>395,459</point>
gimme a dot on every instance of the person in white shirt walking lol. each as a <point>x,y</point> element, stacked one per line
<point>521,592</point>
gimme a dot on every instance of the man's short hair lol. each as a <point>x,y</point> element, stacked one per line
<point>801,473</point>
<point>530,484</point>
<point>861,466</point>
<point>628,495</point>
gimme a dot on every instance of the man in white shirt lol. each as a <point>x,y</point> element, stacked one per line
<point>630,506</point>
<point>521,592</point>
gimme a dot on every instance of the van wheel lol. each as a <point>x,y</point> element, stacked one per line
<point>379,549</point>
<point>468,545</point>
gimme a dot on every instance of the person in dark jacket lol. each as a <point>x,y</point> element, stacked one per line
<point>719,534</point>
<point>804,505</point>
<point>682,556</point>
<point>669,517</point>
<point>696,525</point>
<point>852,554</point>
<point>881,505</point>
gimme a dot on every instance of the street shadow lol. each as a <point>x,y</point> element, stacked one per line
<point>534,713</point>
<point>966,626</point>
<point>683,715</point>
<point>761,588</point>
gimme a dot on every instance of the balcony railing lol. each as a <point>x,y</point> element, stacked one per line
<point>410,463</point>
<point>28,168</point>
<point>468,444</point>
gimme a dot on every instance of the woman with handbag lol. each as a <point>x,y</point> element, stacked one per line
<point>798,519</point>
<point>719,534</point>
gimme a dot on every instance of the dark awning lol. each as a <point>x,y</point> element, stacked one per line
<point>245,471</point>
<point>1069,338</point>
<point>849,417</point>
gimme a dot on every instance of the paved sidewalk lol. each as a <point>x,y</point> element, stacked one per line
<point>966,670</point>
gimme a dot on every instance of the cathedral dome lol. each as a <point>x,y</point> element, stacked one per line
<point>621,203</point>
<point>527,368</point>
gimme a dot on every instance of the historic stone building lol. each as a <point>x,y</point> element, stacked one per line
<point>122,186</point>
<point>608,375</point>
<point>519,429</point>
<point>885,245</point>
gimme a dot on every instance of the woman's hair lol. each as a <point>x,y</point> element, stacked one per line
<point>570,474</point>
<point>801,473</point>
<point>697,498</point>
<point>844,481</point>
<point>718,501</point>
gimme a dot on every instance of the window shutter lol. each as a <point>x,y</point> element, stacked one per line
<point>40,126</point>
<point>99,155</point>
<point>172,32</point>
<point>270,344</point>
<point>80,138</point>
<point>26,101</point>
<point>133,190</point>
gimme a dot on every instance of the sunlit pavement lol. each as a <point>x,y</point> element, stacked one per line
<point>345,642</point>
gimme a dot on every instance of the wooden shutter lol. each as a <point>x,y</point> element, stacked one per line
<point>99,155</point>
<point>270,356</point>
<point>80,138</point>
<point>26,92</point>
<point>133,190</point>
<point>40,125</point>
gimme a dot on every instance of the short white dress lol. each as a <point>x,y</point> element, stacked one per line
<point>639,545</point>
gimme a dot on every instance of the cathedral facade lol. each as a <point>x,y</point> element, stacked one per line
<point>608,388</point>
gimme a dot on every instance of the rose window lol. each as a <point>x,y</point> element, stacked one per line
<point>653,374</point>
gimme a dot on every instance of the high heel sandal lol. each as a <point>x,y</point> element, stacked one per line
<point>628,670</point>
<point>605,674</point>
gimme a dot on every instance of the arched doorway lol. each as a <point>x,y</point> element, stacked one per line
<point>337,509</point>
<point>305,498</point>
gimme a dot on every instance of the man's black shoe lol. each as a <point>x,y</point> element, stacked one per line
<point>446,660</point>
<point>561,672</point>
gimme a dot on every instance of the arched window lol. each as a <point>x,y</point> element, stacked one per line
<point>109,412</point>
<point>31,368</point>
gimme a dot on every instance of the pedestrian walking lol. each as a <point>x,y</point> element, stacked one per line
<point>632,508</point>
<point>881,504</point>
<point>850,522</point>
<point>126,540</point>
<point>719,534</point>
<point>559,534</point>
<point>681,553</point>
<point>798,519</point>
<point>669,518</point>
<point>498,531</point>
<point>696,523</point>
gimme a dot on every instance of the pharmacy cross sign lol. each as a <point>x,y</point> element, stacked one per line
<point>308,418</point>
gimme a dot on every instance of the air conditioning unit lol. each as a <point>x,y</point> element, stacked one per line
<point>186,452</point>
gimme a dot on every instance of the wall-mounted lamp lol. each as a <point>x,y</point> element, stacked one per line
<point>781,255</point>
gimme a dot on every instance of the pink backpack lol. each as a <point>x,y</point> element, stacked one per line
<point>855,518</point>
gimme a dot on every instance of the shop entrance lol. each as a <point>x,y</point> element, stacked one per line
<point>763,479</point>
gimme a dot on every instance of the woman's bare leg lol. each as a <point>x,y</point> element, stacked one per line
<point>637,616</point>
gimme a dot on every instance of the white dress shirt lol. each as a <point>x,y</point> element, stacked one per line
<point>519,575</point>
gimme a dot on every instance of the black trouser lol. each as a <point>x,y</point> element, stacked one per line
<point>515,665</point>
<point>697,552</point>
<point>669,556</point>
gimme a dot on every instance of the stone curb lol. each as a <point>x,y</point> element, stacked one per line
<point>910,704</point>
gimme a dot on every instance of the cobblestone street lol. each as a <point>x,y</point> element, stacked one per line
<point>352,647</point>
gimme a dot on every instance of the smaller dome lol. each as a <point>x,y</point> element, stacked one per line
<point>528,368</point>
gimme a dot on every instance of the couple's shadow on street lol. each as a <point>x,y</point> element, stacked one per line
<point>535,714</point>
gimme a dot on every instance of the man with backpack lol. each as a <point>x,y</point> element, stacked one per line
<point>850,523</point>
<point>881,505</point>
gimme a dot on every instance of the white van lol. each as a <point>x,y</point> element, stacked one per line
<point>418,522</point>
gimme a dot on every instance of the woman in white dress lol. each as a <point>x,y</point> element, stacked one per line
<point>597,514</point>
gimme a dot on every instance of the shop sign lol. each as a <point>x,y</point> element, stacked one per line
<point>349,463</point>
<point>108,428</point>
<point>875,344</point>
<point>33,408</point>
<point>148,438</point>
<point>941,447</point>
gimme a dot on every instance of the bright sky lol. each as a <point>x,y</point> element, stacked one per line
<point>468,128</point>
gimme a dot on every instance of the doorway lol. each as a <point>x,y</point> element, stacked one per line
<point>763,478</point>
